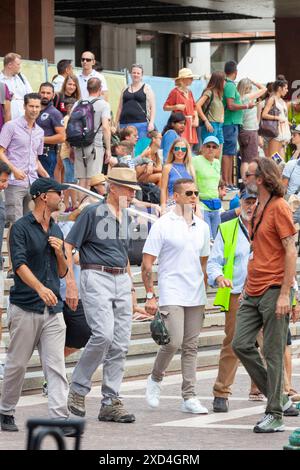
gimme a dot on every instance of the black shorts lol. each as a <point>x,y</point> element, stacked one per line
<point>78,331</point>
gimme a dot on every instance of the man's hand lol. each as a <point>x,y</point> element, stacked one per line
<point>222,282</point>
<point>18,174</point>
<point>57,244</point>
<point>151,306</point>
<point>71,294</point>
<point>283,305</point>
<point>47,296</point>
<point>295,313</point>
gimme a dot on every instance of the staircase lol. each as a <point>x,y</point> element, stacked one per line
<point>142,349</point>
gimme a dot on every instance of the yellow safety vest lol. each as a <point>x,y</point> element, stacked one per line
<point>229,231</point>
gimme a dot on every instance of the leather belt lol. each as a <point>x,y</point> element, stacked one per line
<point>104,269</point>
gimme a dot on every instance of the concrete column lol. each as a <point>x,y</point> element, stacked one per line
<point>199,59</point>
<point>287,42</point>
<point>14,27</point>
<point>166,55</point>
<point>41,29</point>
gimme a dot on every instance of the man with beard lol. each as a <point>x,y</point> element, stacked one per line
<point>268,293</point>
<point>180,241</point>
<point>51,121</point>
<point>35,316</point>
<point>227,269</point>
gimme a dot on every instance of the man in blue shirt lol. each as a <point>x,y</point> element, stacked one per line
<point>51,121</point>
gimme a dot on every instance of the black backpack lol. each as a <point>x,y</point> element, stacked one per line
<point>80,129</point>
<point>151,192</point>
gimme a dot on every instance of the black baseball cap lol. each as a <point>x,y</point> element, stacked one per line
<point>43,185</point>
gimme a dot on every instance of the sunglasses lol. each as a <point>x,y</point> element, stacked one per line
<point>53,191</point>
<point>183,149</point>
<point>86,59</point>
<point>247,174</point>
<point>211,146</point>
<point>190,193</point>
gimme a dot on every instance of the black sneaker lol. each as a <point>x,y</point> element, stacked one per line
<point>8,423</point>
<point>220,405</point>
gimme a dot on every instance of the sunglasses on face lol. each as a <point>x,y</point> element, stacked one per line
<point>183,149</point>
<point>53,191</point>
<point>190,193</point>
<point>211,146</point>
<point>86,59</point>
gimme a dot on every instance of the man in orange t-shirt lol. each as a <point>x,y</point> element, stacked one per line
<point>268,293</point>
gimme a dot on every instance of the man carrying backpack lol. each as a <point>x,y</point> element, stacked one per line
<point>87,129</point>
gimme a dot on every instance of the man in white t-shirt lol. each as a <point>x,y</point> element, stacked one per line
<point>181,241</point>
<point>87,61</point>
<point>16,82</point>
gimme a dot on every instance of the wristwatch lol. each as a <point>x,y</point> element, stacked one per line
<point>150,295</point>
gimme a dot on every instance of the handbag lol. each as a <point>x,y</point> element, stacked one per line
<point>267,127</point>
<point>205,108</point>
<point>159,330</point>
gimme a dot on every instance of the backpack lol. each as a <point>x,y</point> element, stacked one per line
<point>205,107</point>
<point>80,129</point>
<point>151,192</point>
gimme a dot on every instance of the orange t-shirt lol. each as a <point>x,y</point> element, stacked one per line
<point>266,267</point>
<point>176,96</point>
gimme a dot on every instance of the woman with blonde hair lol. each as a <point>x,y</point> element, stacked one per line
<point>178,165</point>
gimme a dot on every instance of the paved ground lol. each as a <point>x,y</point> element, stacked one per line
<point>167,428</point>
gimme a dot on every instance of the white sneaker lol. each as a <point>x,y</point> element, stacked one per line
<point>193,405</point>
<point>152,392</point>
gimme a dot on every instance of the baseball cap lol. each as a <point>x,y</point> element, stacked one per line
<point>43,185</point>
<point>247,195</point>
<point>211,138</point>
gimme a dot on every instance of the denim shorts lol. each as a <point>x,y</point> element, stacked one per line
<point>69,171</point>
<point>217,132</point>
<point>230,133</point>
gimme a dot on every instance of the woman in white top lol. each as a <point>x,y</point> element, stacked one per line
<point>277,144</point>
<point>248,135</point>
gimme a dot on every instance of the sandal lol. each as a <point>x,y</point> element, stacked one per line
<point>256,396</point>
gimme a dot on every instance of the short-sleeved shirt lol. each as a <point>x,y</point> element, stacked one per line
<point>102,110</point>
<point>29,246</point>
<point>50,118</point>
<point>100,237</point>
<point>207,177</point>
<point>176,96</point>
<point>266,267</point>
<point>178,247</point>
<point>230,91</point>
<point>292,173</point>
<point>18,86</point>
<point>250,121</point>
<point>4,96</point>
<point>83,79</point>
<point>215,108</point>
<point>22,146</point>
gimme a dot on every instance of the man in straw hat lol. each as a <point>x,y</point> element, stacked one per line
<point>101,236</point>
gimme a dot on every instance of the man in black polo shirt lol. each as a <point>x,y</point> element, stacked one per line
<point>51,121</point>
<point>35,316</point>
<point>101,236</point>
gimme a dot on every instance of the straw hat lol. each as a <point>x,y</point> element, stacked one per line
<point>123,177</point>
<point>97,179</point>
<point>185,73</point>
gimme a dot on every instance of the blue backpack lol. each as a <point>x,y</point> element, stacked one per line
<point>81,129</point>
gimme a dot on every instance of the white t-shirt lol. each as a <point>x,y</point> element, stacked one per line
<point>178,248</point>
<point>58,83</point>
<point>18,87</point>
<point>83,79</point>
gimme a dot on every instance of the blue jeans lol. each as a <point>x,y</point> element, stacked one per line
<point>49,162</point>
<point>213,219</point>
<point>69,171</point>
<point>217,132</point>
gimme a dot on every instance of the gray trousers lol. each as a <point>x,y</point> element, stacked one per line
<point>29,330</point>
<point>184,326</point>
<point>253,314</point>
<point>107,305</point>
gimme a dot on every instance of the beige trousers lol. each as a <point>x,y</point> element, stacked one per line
<point>184,326</point>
